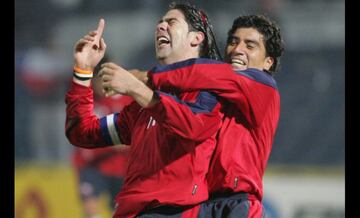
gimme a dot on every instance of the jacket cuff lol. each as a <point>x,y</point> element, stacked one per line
<point>80,89</point>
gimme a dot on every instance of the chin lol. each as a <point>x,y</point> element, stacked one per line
<point>162,55</point>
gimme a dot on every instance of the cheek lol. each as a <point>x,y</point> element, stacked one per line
<point>228,51</point>
<point>256,57</point>
<point>175,35</point>
<point>180,37</point>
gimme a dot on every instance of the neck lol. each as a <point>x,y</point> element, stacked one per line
<point>167,61</point>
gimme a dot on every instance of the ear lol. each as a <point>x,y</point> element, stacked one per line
<point>197,38</point>
<point>268,62</point>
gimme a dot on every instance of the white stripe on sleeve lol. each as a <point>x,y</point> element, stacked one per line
<point>112,129</point>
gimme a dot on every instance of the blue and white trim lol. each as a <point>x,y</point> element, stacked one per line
<point>110,129</point>
<point>183,64</point>
<point>205,101</point>
<point>259,76</point>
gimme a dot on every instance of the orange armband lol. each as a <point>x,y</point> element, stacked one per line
<point>82,74</point>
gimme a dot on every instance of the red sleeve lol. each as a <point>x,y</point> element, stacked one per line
<point>84,129</point>
<point>195,121</point>
<point>252,91</point>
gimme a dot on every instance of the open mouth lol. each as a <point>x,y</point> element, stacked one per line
<point>162,40</point>
<point>238,62</point>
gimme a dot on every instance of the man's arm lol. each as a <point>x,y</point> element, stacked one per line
<point>195,121</point>
<point>84,129</point>
<point>251,91</point>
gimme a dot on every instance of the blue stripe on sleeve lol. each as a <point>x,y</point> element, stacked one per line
<point>105,131</point>
<point>182,64</point>
<point>259,76</point>
<point>205,102</point>
<point>110,129</point>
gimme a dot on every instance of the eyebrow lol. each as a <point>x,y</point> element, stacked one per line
<point>167,19</point>
<point>246,40</point>
<point>251,41</point>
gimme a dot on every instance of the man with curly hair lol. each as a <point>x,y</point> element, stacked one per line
<point>252,109</point>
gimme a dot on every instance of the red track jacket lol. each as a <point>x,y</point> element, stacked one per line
<point>171,144</point>
<point>108,160</point>
<point>250,120</point>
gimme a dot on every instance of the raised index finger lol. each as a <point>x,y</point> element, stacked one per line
<point>100,28</point>
<point>100,31</point>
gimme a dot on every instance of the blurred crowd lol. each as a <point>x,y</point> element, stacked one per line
<point>311,128</point>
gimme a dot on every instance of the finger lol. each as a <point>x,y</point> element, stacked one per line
<point>100,31</point>
<point>101,26</point>
<point>84,41</point>
<point>90,38</point>
<point>102,44</point>
<point>105,71</point>
<point>110,65</point>
<point>106,78</point>
<point>101,72</point>
<point>110,92</point>
<point>105,85</point>
<point>103,91</point>
<point>107,91</point>
<point>80,44</point>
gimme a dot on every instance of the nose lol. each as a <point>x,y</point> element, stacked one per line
<point>161,26</point>
<point>239,48</point>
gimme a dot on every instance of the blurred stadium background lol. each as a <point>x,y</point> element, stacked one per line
<point>305,177</point>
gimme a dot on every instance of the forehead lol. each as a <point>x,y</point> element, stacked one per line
<point>248,33</point>
<point>174,13</point>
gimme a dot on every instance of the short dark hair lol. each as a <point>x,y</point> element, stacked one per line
<point>199,21</point>
<point>274,45</point>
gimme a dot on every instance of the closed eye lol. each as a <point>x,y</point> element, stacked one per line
<point>250,44</point>
<point>233,41</point>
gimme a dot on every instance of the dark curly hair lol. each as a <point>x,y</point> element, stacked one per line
<point>199,21</point>
<point>269,29</point>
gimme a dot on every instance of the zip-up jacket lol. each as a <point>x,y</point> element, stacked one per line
<point>251,115</point>
<point>171,144</point>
